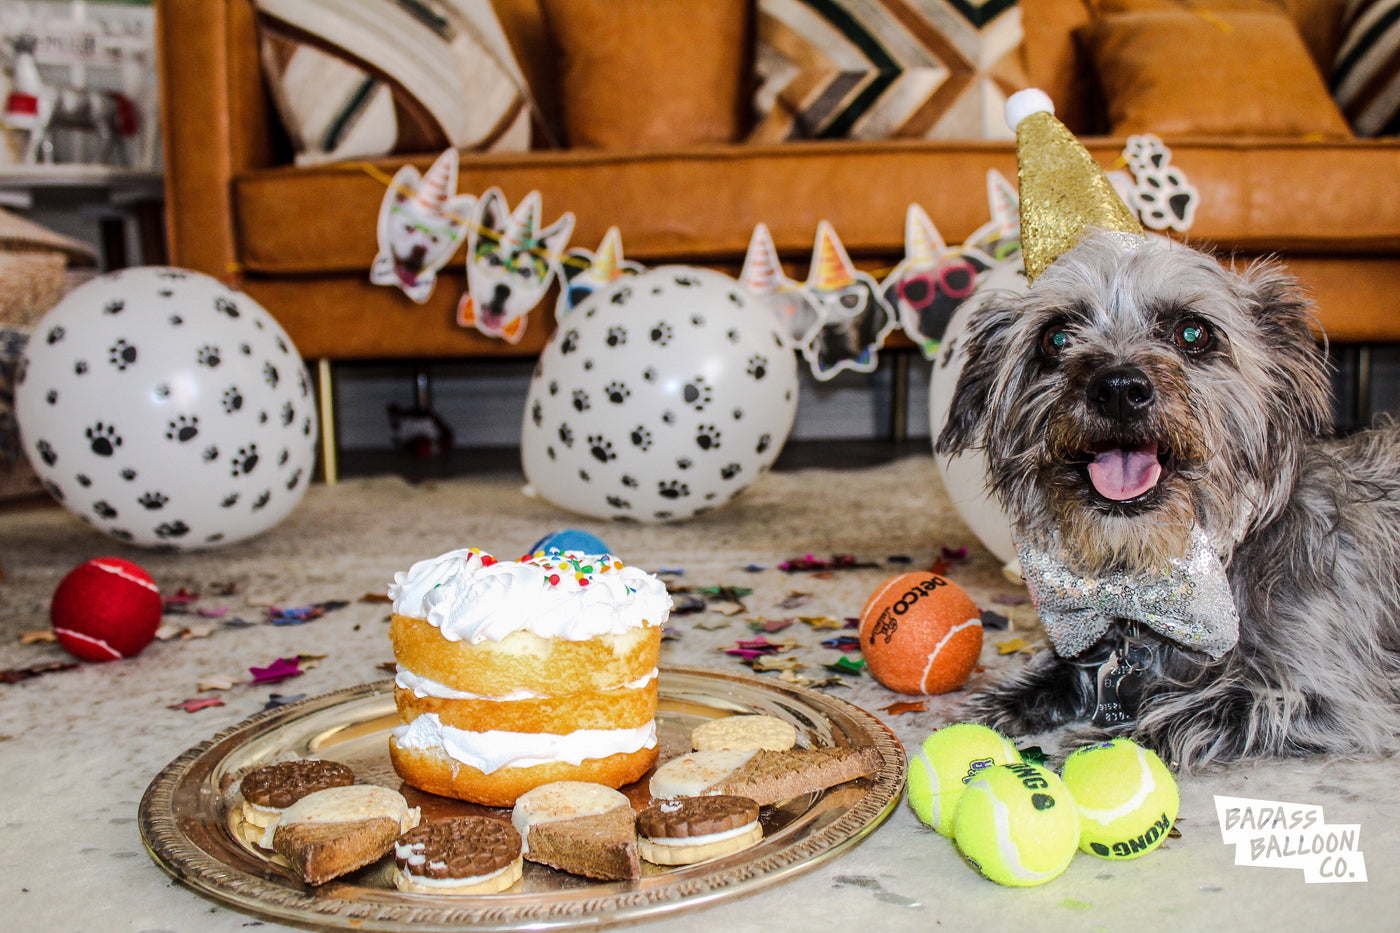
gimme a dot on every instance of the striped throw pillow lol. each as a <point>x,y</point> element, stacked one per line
<point>1366,75</point>
<point>884,69</point>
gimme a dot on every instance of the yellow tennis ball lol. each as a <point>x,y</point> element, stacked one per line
<point>1017,824</point>
<point>950,758</point>
<point>1126,797</point>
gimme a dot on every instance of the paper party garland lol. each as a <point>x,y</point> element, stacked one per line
<point>838,319</point>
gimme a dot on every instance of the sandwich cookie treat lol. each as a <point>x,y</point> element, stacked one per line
<point>764,776</point>
<point>581,828</point>
<point>271,789</point>
<point>461,855</point>
<point>514,674</point>
<point>752,731</point>
<point>332,832</point>
<point>692,829</point>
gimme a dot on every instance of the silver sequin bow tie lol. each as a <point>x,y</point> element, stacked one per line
<point>1188,602</point>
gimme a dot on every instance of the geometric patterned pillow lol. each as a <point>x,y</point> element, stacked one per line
<point>1366,73</point>
<point>382,76</point>
<point>885,69</point>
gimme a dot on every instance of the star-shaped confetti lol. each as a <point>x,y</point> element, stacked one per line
<point>276,672</point>
<point>275,700</point>
<point>906,706</point>
<point>766,663</point>
<point>843,643</point>
<point>822,622</point>
<point>847,665</point>
<point>37,637</point>
<point>216,682</point>
<point>1013,645</point>
<point>769,625</point>
<point>195,704</point>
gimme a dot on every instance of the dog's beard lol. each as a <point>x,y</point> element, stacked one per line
<point>1120,495</point>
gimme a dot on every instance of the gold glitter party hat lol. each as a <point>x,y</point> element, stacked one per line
<point>1063,190</point>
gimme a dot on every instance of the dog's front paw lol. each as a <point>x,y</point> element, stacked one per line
<point>1048,693</point>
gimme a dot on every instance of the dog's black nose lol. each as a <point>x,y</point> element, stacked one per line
<point>1120,392</point>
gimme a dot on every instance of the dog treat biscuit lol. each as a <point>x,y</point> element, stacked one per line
<point>581,828</point>
<point>744,732</point>
<point>269,790</point>
<point>691,829</point>
<point>331,832</point>
<point>765,776</point>
<point>462,855</point>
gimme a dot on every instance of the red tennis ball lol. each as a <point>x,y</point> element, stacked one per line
<point>921,633</point>
<point>105,609</point>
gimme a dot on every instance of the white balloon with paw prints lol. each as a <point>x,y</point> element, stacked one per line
<point>659,399</point>
<point>167,410</point>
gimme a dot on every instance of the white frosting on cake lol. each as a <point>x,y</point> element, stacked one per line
<point>425,687</point>
<point>492,750</point>
<point>471,596</point>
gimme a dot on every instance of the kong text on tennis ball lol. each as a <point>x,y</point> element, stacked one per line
<point>105,609</point>
<point>1126,797</point>
<point>947,760</point>
<point>920,633</point>
<point>1017,824</point>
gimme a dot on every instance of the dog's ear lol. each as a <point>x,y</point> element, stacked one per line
<point>985,347</point>
<point>1284,314</point>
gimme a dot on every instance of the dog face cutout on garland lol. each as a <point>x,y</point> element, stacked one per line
<point>422,221</point>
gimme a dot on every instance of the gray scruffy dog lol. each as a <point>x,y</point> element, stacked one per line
<point>1139,391</point>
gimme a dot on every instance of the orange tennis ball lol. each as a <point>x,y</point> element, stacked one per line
<point>921,633</point>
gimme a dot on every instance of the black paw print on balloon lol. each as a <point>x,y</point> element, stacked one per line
<point>208,355</point>
<point>630,481</point>
<point>697,393</point>
<point>537,413</point>
<point>80,367</point>
<point>262,500</point>
<point>83,480</point>
<point>50,396</point>
<point>581,401</point>
<point>104,510</point>
<point>226,307</point>
<point>733,335</point>
<point>601,448</point>
<point>729,471</point>
<point>127,474</point>
<point>758,366</point>
<point>245,460</point>
<point>115,306</point>
<point>618,502</point>
<point>661,333</point>
<point>294,479</point>
<point>232,399</point>
<point>569,343</point>
<point>697,320</point>
<point>271,376</point>
<point>617,392</point>
<point>622,295</point>
<point>617,336</point>
<point>583,475</point>
<point>764,442</point>
<point>153,500</point>
<point>229,501</point>
<point>175,529</point>
<point>684,463</point>
<point>707,437</point>
<point>641,438</point>
<point>649,374</point>
<point>210,454</point>
<point>103,439</point>
<point>289,414</point>
<point>183,428</point>
<point>566,435</point>
<point>282,345</point>
<point>672,489</point>
<point>54,335</point>
<point>121,355</point>
<point>47,453</point>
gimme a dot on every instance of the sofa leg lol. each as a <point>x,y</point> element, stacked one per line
<point>325,401</point>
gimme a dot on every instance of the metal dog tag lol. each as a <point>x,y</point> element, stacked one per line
<point>1120,685</point>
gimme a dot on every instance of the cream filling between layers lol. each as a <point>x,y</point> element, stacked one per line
<point>493,750</point>
<point>704,838</point>
<point>421,686</point>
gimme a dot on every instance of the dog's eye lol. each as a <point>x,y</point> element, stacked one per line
<point>1054,340</point>
<point>1192,334</point>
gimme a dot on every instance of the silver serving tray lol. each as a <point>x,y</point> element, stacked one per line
<point>186,823</point>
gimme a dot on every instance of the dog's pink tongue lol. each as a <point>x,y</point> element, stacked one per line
<point>1121,473</point>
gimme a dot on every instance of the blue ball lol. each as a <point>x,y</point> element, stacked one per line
<point>570,539</point>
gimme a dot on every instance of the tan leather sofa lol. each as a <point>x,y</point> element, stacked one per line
<point>300,240</point>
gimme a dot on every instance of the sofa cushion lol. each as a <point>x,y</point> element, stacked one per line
<point>377,79</point>
<point>637,74</point>
<point>1226,72</point>
<point>847,69</point>
<point>1366,76</point>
